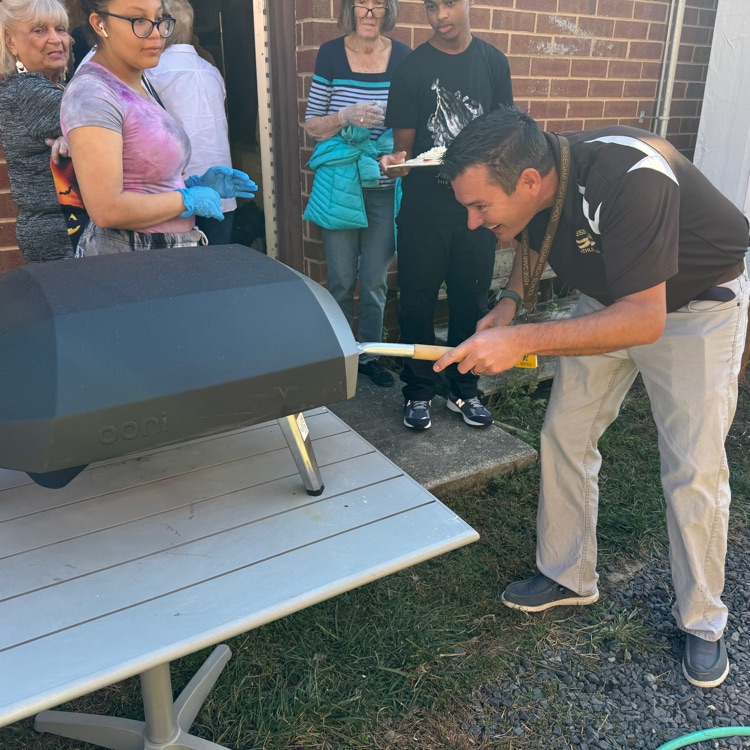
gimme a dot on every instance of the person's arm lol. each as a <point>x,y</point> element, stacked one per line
<point>40,107</point>
<point>505,309</point>
<point>631,321</point>
<point>97,157</point>
<point>403,149</point>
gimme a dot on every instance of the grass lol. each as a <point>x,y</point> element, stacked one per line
<point>396,665</point>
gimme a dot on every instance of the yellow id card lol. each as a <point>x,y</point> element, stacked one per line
<point>528,362</point>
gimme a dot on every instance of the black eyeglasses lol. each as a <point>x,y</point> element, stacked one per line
<point>143,27</point>
<point>362,11</point>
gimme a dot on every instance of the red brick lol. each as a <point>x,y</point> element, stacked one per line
<point>606,89</point>
<point>316,271</point>
<point>530,45</point>
<point>621,108</point>
<point>684,107</point>
<point>411,13</point>
<point>8,233</point>
<point>401,34</point>
<point>594,124</point>
<point>646,50</point>
<point>10,258</point>
<point>570,87</point>
<point>625,69</point>
<point>631,30</point>
<point>691,17</point>
<point>571,46</point>
<point>707,18</point>
<point>679,90</point>
<point>695,35</point>
<point>496,39</point>
<point>689,124</point>
<point>609,49</point>
<point>519,66</point>
<point>615,8</point>
<point>601,28</point>
<point>651,10</point>
<point>541,110</point>
<point>585,108</point>
<point>314,33</point>
<point>691,72</point>
<point>657,32</point>
<point>509,20</point>
<point>651,70</point>
<point>480,18</point>
<point>8,207</point>
<point>4,181</point>
<point>701,55</point>
<point>589,68</point>
<point>306,60</point>
<point>584,7</point>
<point>531,87</point>
<point>546,6</point>
<point>695,90</point>
<point>550,66</point>
<point>640,89</point>
<point>551,23</point>
<point>563,126</point>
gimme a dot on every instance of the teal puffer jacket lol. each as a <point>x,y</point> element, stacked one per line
<point>343,165</point>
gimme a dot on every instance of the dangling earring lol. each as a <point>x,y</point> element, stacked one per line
<point>20,67</point>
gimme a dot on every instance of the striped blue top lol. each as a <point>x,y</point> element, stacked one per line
<point>335,86</point>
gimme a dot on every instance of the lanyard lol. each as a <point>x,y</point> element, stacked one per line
<point>531,282</point>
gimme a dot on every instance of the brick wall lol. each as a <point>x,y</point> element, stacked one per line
<point>10,257</point>
<point>576,64</point>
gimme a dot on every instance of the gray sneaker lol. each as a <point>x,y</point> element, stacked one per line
<point>417,414</point>
<point>539,593</point>
<point>704,663</point>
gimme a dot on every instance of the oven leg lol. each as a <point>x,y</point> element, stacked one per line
<point>167,722</point>
<point>298,439</point>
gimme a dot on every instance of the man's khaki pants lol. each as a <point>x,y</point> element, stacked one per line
<point>690,375</point>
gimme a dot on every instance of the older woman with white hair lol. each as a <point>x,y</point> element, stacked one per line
<point>34,49</point>
<point>348,93</point>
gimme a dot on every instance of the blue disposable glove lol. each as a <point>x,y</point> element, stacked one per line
<point>227,182</point>
<point>201,201</point>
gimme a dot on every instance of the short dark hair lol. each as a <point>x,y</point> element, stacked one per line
<point>505,141</point>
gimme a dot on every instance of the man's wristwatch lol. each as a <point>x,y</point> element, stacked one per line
<point>515,296</point>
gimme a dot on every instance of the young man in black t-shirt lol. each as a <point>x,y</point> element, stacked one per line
<point>442,86</point>
<point>658,254</point>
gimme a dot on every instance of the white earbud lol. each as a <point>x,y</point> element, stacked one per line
<point>104,31</point>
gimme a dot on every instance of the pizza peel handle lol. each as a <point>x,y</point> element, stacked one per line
<point>413,351</point>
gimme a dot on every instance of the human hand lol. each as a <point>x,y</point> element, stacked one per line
<point>361,115</point>
<point>227,182</point>
<point>201,201</point>
<point>390,159</point>
<point>487,352</point>
<point>60,148</point>
<point>497,317</point>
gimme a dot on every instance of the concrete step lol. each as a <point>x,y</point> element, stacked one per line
<point>450,456</point>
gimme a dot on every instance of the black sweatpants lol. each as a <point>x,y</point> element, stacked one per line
<point>427,256</point>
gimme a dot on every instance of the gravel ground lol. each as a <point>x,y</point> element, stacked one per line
<point>597,699</point>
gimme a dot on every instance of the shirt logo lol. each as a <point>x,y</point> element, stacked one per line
<point>586,243</point>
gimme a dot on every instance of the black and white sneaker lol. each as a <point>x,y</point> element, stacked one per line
<point>539,593</point>
<point>471,409</point>
<point>417,414</point>
<point>376,372</point>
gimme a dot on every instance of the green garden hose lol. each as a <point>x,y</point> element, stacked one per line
<point>705,734</point>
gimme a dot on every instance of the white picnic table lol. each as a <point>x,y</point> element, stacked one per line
<point>143,560</point>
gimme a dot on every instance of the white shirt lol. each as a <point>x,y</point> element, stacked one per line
<point>193,92</point>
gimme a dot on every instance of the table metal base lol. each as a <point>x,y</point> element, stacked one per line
<point>167,723</point>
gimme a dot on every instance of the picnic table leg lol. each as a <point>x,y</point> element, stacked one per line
<point>167,722</point>
<point>298,439</point>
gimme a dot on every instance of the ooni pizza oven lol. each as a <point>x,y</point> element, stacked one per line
<point>105,356</point>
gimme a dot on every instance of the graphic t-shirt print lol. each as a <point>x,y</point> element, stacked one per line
<point>452,114</point>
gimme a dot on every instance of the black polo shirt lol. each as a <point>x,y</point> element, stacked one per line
<point>637,213</point>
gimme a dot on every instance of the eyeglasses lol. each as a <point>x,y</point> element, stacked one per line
<point>362,11</point>
<point>143,27</point>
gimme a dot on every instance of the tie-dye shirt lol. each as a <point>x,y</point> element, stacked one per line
<point>155,147</point>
